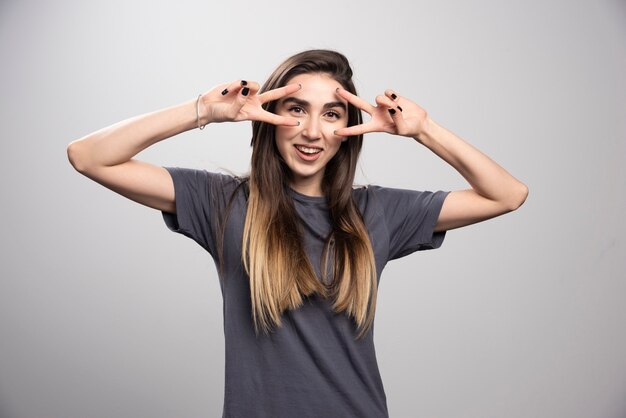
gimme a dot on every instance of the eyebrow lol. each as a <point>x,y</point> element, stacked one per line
<point>304,103</point>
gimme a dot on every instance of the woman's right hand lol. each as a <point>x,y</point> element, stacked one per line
<point>239,101</point>
<point>106,155</point>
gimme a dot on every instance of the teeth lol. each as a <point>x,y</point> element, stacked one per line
<point>308,150</point>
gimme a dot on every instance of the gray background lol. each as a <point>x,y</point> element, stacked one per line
<point>106,313</point>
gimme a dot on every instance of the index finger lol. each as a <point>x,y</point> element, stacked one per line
<point>355,130</point>
<point>275,94</point>
<point>275,119</point>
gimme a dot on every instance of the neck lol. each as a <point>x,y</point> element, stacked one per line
<point>308,187</point>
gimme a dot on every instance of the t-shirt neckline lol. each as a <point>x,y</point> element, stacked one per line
<point>306,198</point>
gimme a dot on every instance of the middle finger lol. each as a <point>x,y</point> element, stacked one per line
<point>275,94</point>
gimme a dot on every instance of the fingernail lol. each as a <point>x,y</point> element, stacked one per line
<point>337,90</point>
<point>224,92</point>
<point>400,108</point>
<point>245,91</point>
<point>300,85</point>
<point>335,132</point>
<point>392,111</point>
<point>393,96</point>
<point>298,123</point>
<point>244,83</point>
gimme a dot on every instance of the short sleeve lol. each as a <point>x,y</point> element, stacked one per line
<point>198,195</point>
<point>411,217</point>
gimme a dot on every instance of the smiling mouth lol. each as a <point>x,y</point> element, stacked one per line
<point>308,150</point>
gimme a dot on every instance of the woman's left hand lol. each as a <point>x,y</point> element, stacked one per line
<point>393,114</point>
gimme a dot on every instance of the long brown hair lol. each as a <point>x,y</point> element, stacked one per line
<point>281,274</point>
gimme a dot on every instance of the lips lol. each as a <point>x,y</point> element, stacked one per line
<point>308,153</point>
<point>308,150</point>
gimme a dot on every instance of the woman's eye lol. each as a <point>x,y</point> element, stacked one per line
<point>295,109</point>
<point>333,114</point>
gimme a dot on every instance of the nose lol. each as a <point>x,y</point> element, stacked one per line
<point>312,130</point>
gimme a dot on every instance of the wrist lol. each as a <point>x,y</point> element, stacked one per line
<point>429,128</point>
<point>202,112</point>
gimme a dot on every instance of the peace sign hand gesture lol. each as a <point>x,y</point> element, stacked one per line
<point>392,114</point>
<point>239,101</point>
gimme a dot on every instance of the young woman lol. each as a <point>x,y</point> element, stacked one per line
<point>299,250</point>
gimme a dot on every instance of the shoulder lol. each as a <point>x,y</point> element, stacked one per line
<point>199,175</point>
<point>380,194</point>
<point>368,198</point>
<point>207,184</point>
<point>393,199</point>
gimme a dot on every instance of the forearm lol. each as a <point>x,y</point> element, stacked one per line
<point>121,141</point>
<point>486,177</point>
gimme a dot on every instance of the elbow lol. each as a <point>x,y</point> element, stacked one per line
<point>76,157</point>
<point>518,197</point>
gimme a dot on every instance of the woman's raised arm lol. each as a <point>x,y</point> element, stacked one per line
<point>105,156</point>
<point>494,191</point>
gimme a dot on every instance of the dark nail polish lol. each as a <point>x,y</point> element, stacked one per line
<point>393,96</point>
<point>244,83</point>
<point>298,123</point>
<point>224,92</point>
<point>392,111</point>
<point>400,108</point>
<point>245,91</point>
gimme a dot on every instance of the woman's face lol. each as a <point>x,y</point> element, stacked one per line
<point>307,148</point>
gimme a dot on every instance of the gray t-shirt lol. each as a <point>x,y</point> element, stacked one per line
<point>311,366</point>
